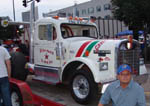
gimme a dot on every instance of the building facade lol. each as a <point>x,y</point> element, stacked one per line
<point>98,8</point>
<point>101,9</point>
<point>26,15</point>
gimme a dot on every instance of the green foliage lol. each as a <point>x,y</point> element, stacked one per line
<point>10,32</point>
<point>135,13</point>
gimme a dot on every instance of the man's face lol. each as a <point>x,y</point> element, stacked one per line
<point>124,77</point>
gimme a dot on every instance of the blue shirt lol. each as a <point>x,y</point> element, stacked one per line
<point>132,95</point>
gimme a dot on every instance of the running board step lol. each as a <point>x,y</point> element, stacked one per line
<point>47,74</point>
<point>48,81</point>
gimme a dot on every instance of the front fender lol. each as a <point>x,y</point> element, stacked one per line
<point>91,65</point>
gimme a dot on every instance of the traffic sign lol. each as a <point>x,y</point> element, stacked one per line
<point>4,23</point>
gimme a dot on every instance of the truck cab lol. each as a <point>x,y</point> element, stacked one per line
<point>56,43</point>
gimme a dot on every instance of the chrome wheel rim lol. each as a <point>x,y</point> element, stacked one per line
<point>15,99</point>
<point>81,86</point>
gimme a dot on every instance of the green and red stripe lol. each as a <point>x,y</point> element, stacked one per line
<point>82,48</point>
<point>88,49</point>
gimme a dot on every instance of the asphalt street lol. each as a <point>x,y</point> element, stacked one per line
<point>61,93</point>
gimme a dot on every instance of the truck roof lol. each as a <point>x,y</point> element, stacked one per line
<point>65,20</point>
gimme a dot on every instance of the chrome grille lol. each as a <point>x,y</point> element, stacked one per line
<point>130,57</point>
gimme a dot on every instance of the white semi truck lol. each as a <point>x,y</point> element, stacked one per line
<point>69,51</point>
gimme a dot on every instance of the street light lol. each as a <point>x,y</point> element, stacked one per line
<point>14,10</point>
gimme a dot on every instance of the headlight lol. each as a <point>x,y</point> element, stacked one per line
<point>103,66</point>
<point>141,61</point>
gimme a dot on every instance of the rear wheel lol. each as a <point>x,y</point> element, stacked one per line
<point>83,87</point>
<point>18,62</point>
<point>16,97</point>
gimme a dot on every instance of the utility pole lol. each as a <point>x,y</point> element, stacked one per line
<point>14,10</point>
<point>32,24</point>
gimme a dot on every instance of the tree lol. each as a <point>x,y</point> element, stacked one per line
<point>7,32</point>
<point>134,13</point>
<point>10,32</point>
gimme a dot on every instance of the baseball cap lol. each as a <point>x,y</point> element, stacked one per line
<point>123,67</point>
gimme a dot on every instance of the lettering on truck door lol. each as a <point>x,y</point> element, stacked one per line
<point>46,64</point>
<point>45,44</point>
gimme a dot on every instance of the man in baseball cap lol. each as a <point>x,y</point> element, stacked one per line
<point>123,68</point>
<point>124,91</point>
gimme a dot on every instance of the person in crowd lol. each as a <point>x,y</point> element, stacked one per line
<point>124,91</point>
<point>5,74</point>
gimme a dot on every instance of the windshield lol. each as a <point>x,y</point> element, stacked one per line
<point>76,30</point>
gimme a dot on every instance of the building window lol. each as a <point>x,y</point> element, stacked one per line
<point>107,7</point>
<point>70,14</point>
<point>91,10</point>
<point>107,17</point>
<point>98,8</point>
<point>77,13</point>
<point>84,12</point>
<point>61,14</point>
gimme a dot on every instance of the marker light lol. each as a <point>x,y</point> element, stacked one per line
<point>130,41</point>
<point>92,19</point>
<point>56,17</point>
<point>70,18</point>
<point>80,19</point>
<point>76,18</point>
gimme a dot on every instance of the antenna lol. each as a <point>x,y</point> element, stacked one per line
<point>75,2</point>
<point>75,9</point>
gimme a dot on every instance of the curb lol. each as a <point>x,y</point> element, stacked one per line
<point>147,94</point>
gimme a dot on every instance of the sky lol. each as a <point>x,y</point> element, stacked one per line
<point>44,6</point>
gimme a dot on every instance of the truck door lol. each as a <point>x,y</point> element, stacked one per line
<point>46,64</point>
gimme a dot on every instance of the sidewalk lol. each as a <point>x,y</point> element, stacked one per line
<point>146,86</point>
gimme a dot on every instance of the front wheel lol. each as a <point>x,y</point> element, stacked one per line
<point>83,87</point>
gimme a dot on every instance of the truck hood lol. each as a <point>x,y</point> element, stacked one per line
<point>79,47</point>
<point>84,48</point>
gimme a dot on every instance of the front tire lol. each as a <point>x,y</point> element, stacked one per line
<point>83,87</point>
